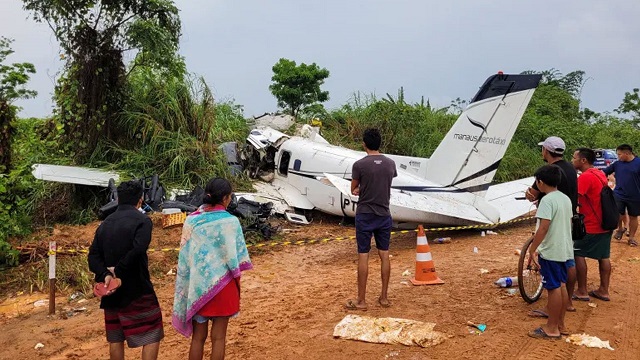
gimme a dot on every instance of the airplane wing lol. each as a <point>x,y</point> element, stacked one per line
<point>405,205</point>
<point>502,197</point>
<point>281,190</point>
<point>74,175</point>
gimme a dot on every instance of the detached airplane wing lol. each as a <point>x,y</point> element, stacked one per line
<point>74,175</point>
<point>502,197</point>
<point>282,191</point>
<point>403,205</point>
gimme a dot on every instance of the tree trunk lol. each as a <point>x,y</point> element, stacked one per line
<point>6,131</point>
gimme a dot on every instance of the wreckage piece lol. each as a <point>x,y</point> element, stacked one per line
<point>74,175</point>
<point>230,151</point>
<point>276,121</point>
<point>153,196</point>
<point>296,218</point>
<point>452,188</point>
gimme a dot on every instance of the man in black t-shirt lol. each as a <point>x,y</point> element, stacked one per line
<point>552,152</point>
<point>371,182</point>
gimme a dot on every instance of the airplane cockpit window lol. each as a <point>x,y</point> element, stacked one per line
<point>283,169</point>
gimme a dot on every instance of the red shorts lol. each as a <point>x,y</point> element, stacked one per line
<point>225,303</point>
<point>140,323</point>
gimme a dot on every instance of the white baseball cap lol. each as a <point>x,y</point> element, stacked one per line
<point>553,144</point>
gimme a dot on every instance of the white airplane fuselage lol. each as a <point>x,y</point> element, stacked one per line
<point>309,162</point>
<point>452,187</point>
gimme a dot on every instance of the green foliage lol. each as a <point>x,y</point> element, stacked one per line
<point>20,192</point>
<point>407,129</point>
<point>631,105</point>
<point>176,127</point>
<point>298,86</point>
<point>12,79</point>
<point>15,199</point>
<point>570,83</point>
<point>71,272</point>
<point>14,76</point>
<point>13,184</point>
<point>152,26</point>
<point>417,129</point>
<point>94,36</point>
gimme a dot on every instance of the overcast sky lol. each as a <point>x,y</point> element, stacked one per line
<point>437,49</point>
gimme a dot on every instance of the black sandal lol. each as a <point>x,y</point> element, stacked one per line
<point>619,233</point>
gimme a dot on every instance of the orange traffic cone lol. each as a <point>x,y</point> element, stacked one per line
<point>425,269</point>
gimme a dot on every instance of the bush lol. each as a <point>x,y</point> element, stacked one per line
<point>172,127</point>
<point>417,129</point>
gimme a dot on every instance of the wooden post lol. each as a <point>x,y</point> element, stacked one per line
<point>52,277</point>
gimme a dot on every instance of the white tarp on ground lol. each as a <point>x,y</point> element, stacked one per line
<point>388,331</point>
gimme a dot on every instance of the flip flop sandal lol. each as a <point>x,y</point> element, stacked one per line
<point>388,304</point>
<point>540,334</point>
<point>99,290</point>
<point>538,313</point>
<point>352,305</point>
<point>580,298</point>
<point>632,242</point>
<point>619,233</point>
<point>599,297</point>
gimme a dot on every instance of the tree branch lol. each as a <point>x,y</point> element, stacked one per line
<point>122,22</point>
<point>79,15</point>
<point>95,26</point>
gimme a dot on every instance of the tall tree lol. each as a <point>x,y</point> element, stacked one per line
<point>95,36</point>
<point>631,105</point>
<point>12,79</point>
<point>298,86</point>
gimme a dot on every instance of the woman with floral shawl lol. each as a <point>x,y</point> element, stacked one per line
<point>212,255</point>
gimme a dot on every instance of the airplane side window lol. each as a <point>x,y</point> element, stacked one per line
<point>296,165</point>
<point>283,169</point>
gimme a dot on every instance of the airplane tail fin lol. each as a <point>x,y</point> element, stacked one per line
<point>470,153</point>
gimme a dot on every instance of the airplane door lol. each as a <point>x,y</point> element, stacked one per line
<point>283,166</point>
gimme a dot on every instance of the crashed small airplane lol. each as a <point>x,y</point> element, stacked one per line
<point>453,187</point>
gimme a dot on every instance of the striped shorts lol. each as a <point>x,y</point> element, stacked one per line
<point>140,323</point>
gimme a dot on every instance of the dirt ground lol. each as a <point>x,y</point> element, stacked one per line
<point>294,297</point>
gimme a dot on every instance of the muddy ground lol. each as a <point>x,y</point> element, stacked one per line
<point>294,297</point>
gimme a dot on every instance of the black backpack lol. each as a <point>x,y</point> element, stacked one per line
<point>610,215</point>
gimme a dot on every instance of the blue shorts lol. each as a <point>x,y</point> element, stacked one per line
<point>203,319</point>
<point>571,263</point>
<point>554,273</point>
<point>368,225</point>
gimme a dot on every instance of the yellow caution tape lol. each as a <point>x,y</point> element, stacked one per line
<point>310,241</point>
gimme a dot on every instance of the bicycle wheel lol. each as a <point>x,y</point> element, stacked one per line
<point>529,278</point>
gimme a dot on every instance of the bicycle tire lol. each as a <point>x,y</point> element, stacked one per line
<point>529,283</point>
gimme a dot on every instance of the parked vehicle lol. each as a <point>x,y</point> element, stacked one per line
<point>604,158</point>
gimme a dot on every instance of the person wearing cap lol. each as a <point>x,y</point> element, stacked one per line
<point>552,153</point>
<point>627,191</point>
<point>553,149</point>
